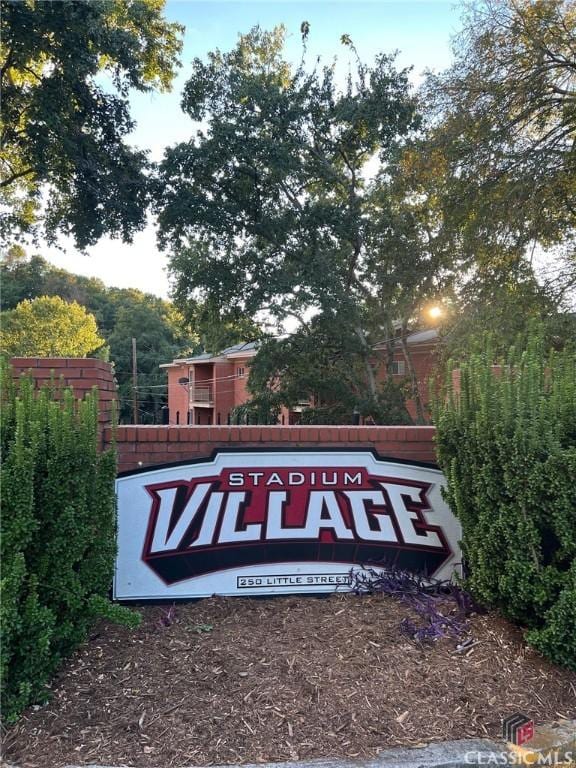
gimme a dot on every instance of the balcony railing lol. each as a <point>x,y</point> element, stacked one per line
<point>304,402</point>
<point>202,394</point>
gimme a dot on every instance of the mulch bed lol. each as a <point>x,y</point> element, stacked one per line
<point>233,680</point>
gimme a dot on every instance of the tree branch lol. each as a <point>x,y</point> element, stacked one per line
<point>13,177</point>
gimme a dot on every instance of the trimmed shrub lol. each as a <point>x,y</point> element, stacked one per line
<point>58,534</point>
<point>507,445</point>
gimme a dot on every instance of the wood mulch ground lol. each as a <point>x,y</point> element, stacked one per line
<point>234,680</point>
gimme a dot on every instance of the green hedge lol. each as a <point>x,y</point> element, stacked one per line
<point>507,445</point>
<point>58,534</point>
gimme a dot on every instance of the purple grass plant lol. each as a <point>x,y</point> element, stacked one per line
<point>167,617</point>
<point>442,607</point>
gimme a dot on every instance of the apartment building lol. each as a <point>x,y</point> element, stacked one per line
<point>206,388</point>
<point>423,347</point>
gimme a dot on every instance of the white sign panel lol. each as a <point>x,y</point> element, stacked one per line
<point>267,522</point>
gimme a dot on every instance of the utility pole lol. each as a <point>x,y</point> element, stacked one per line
<point>135,418</point>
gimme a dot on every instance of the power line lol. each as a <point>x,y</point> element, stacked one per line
<point>231,377</point>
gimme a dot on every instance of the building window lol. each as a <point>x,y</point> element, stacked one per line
<point>240,373</point>
<point>398,367</point>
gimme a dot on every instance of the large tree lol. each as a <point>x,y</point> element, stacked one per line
<point>268,206</point>
<point>317,369</point>
<point>49,327</point>
<point>504,126</point>
<point>483,280</point>
<point>66,70</point>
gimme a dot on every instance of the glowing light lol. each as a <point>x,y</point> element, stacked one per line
<point>435,312</point>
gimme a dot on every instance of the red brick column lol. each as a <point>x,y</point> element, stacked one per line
<point>82,374</point>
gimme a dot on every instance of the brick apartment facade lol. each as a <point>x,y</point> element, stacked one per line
<point>423,347</point>
<point>204,390</point>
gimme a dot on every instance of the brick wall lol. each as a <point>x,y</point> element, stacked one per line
<point>141,446</point>
<point>178,394</point>
<point>144,446</point>
<point>82,374</point>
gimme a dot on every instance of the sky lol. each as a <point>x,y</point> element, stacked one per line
<point>419,31</point>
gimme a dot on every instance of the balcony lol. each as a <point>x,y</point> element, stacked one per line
<point>202,394</point>
<point>304,402</point>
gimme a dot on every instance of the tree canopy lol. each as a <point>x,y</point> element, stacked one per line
<point>504,135</point>
<point>66,71</point>
<point>345,203</point>
<point>271,207</point>
<point>121,314</point>
<point>49,327</point>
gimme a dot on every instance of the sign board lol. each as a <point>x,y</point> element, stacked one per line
<point>277,522</point>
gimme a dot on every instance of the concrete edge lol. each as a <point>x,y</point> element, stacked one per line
<point>465,753</point>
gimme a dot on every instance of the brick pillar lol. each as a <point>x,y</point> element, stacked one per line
<point>82,374</point>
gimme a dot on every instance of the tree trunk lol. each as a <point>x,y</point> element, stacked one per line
<point>420,415</point>
<point>390,350</point>
<point>370,378</point>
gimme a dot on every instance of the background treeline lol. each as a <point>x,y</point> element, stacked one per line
<point>121,314</point>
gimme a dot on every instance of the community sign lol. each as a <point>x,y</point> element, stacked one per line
<point>271,522</point>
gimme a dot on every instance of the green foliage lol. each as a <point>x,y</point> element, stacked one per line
<point>556,638</point>
<point>66,72</point>
<point>218,330</point>
<point>49,327</point>
<point>58,534</point>
<point>269,208</point>
<point>505,301</point>
<point>161,332</point>
<point>320,368</point>
<point>507,445</point>
<point>504,124</point>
